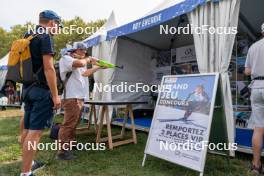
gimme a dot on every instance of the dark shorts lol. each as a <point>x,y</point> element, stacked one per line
<point>38,109</point>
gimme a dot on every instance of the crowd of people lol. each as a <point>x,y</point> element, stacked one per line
<point>11,92</point>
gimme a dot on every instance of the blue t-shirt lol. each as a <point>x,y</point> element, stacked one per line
<point>42,44</point>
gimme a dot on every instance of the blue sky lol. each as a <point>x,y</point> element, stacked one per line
<point>14,12</point>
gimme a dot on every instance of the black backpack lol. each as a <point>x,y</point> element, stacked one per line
<point>60,83</point>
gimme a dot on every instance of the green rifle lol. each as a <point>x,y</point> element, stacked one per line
<point>103,63</point>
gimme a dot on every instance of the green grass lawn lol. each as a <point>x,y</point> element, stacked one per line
<point>122,161</point>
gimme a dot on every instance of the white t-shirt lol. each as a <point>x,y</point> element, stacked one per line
<point>77,85</point>
<point>255,61</point>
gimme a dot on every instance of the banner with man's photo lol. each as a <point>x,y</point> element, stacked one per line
<point>182,120</point>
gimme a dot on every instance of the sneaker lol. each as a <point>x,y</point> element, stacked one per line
<point>37,165</point>
<point>254,170</point>
<point>66,155</point>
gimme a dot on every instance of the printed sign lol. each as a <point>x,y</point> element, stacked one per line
<point>185,54</point>
<point>182,120</point>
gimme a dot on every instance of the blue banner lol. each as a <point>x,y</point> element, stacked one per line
<point>3,67</point>
<point>93,41</point>
<point>156,18</point>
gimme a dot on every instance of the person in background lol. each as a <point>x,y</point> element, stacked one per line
<point>10,91</point>
<point>75,92</point>
<point>42,97</point>
<point>17,93</point>
<point>254,68</point>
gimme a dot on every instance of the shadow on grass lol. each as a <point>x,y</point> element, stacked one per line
<point>124,160</point>
<point>10,168</point>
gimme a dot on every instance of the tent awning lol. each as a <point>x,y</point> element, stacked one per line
<point>93,41</point>
<point>100,35</point>
<point>156,18</point>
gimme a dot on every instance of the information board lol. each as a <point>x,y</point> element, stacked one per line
<point>182,119</point>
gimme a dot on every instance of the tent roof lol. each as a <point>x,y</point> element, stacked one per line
<point>251,16</point>
<point>167,10</point>
<point>150,37</point>
<point>170,10</point>
<point>100,35</point>
<point>163,5</point>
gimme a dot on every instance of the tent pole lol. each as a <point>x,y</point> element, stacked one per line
<point>144,160</point>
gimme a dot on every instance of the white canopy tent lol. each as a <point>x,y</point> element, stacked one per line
<point>3,70</point>
<point>99,49</point>
<point>100,35</point>
<point>135,52</point>
<point>134,45</point>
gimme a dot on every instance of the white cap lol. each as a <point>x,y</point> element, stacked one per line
<point>262,27</point>
<point>77,45</point>
<point>63,51</point>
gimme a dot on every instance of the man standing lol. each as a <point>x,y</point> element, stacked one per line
<point>254,67</point>
<point>40,98</point>
<point>74,73</point>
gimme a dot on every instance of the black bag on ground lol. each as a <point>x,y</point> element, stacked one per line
<point>54,131</point>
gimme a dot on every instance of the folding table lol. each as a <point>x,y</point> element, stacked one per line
<point>104,115</point>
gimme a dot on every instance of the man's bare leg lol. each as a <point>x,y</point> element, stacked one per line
<point>21,130</point>
<point>28,153</point>
<point>22,137</point>
<point>257,142</point>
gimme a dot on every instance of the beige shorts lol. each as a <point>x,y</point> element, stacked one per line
<point>257,104</point>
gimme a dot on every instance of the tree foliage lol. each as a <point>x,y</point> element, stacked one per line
<point>60,40</point>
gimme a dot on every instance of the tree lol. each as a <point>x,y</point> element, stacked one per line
<point>60,40</point>
<point>7,38</point>
<point>4,42</point>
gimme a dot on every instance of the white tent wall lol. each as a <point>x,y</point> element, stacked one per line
<point>214,51</point>
<point>106,50</point>
<point>111,23</point>
<point>102,50</point>
<point>136,60</point>
<point>3,71</point>
<point>98,76</point>
<point>138,68</point>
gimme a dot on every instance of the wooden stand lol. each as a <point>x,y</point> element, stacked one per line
<point>91,113</point>
<point>110,138</point>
